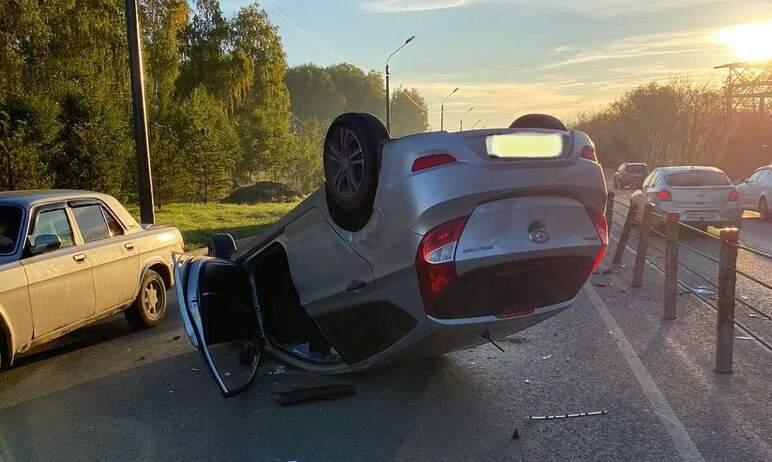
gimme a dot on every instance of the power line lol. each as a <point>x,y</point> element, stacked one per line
<point>331,51</point>
<point>309,36</point>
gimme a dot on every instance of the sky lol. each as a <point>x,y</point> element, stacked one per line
<point>511,57</point>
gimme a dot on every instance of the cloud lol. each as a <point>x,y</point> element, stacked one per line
<point>596,8</point>
<point>640,46</point>
<point>407,6</point>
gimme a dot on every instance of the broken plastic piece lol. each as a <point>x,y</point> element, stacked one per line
<point>565,416</point>
<point>703,291</point>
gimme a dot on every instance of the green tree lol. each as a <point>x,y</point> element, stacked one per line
<point>408,112</point>
<point>210,145</point>
<point>262,116</point>
<point>95,146</point>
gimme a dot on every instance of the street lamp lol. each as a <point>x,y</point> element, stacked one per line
<point>388,96</point>
<point>461,122</point>
<point>442,109</point>
<point>475,124</point>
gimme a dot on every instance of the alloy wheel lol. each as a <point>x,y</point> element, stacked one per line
<point>346,163</point>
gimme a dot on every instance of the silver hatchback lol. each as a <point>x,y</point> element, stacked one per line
<point>702,196</point>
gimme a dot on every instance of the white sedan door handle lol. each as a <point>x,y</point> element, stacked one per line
<point>129,245</point>
<point>79,258</point>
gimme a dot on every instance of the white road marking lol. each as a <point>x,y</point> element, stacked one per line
<point>678,434</point>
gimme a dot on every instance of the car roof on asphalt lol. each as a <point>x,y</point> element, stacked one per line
<point>27,198</point>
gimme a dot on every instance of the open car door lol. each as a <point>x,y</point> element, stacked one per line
<point>220,316</point>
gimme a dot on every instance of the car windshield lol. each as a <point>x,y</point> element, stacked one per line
<point>636,168</point>
<point>698,178</point>
<point>10,221</point>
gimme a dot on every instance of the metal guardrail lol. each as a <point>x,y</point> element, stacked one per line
<point>649,220</point>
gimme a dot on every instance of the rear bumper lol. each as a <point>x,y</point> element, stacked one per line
<point>458,334</point>
<point>728,216</point>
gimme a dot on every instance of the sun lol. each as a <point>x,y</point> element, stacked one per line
<point>748,42</point>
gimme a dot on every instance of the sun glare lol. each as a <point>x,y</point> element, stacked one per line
<point>748,42</point>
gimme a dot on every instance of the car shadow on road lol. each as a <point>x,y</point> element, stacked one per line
<point>123,413</point>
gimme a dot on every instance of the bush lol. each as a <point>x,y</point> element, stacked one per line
<point>263,191</point>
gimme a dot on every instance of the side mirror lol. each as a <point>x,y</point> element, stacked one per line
<point>45,243</point>
<point>222,245</point>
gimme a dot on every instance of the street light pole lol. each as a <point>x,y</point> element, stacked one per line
<point>142,151</point>
<point>461,122</point>
<point>442,109</point>
<point>388,94</point>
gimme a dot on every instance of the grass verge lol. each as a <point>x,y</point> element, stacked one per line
<point>198,221</point>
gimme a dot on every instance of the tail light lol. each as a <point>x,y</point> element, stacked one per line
<point>588,152</point>
<point>601,226</point>
<point>435,260</point>
<point>664,195</point>
<point>734,195</point>
<point>432,160</point>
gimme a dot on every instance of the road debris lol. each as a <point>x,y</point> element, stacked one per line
<point>527,381</point>
<point>546,357</point>
<point>703,291</point>
<point>279,370</point>
<point>751,315</point>
<point>566,416</point>
<point>744,338</point>
<point>193,369</point>
<point>516,435</point>
<point>308,394</point>
<point>598,284</point>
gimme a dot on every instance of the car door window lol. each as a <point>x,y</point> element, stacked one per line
<point>53,222</point>
<point>753,178</point>
<point>765,177</point>
<point>91,222</point>
<point>112,224</point>
<point>10,222</point>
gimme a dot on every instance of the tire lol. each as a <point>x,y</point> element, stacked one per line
<point>351,159</point>
<point>764,209</point>
<point>150,306</point>
<point>221,245</point>
<point>539,121</point>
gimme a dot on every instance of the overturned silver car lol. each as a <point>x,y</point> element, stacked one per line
<point>415,246</point>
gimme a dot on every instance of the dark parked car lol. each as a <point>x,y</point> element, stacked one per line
<point>630,175</point>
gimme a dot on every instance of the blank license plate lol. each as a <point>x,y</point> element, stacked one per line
<point>700,215</point>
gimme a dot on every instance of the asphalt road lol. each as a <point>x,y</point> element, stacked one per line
<point>107,393</point>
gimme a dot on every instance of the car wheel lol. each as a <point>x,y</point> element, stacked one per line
<point>539,121</point>
<point>764,209</point>
<point>221,245</point>
<point>150,306</point>
<point>352,149</point>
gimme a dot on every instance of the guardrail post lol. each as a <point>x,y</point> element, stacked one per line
<point>643,245</point>
<point>727,277</point>
<point>623,238</point>
<point>671,266</point>
<point>610,210</point>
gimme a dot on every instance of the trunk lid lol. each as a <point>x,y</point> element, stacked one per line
<point>700,197</point>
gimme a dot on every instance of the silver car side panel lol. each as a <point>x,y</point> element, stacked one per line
<point>320,261</point>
